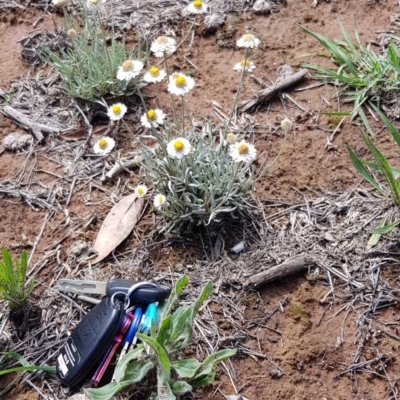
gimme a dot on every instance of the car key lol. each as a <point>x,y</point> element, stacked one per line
<point>147,293</point>
<point>89,342</point>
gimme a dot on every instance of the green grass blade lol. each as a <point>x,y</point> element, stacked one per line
<point>385,170</point>
<point>358,165</point>
<point>365,122</point>
<point>394,132</point>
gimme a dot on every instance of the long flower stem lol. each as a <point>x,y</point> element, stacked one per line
<point>172,99</point>
<point>246,54</point>
<point>183,115</point>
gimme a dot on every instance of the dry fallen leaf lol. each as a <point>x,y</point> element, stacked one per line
<point>117,225</point>
<point>82,133</point>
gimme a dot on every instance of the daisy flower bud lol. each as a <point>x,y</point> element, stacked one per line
<point>159,201</point>
<point>116,111</point>
<point>197,7</point>
<point>231,138</point>
<point>138,159</point>
<point>286,124</point>
<point>129,69</point>
<point>141,190</point>
<point>243,151</point>
<point>180,84</point>
<point>247,65</point>
<point>59,3</point>
<point>248,40</point>
<point>154,74</point>
<point>91,3</point>
<point>179,148</point>
<point>104,145</point>
<point>152,118</point>
<point>163,44</point>
<point>72,33</point>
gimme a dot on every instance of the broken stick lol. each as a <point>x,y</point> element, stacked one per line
<point>288,267</point>
<point>271,91</point>
<point>24,122</point>
<point>119,167</point>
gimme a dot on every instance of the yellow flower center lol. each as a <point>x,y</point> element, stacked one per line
<point>243,148</point>
<point>248,37</point>
<point>162,40</point>
<point>160,199</point>
<point>140,191</point>
<point>180,81</point>
<point>197,4</point>
<point>154,71</point>
<point>116,109</point>
<point>94,1</point>
<point>245,63</point>
<point>103,143</point>
<point>127,65</point>
<point>151,115</point>
<point>178,145</point>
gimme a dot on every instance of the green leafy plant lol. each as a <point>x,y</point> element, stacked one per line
<point>361,73</point>
<point>88,64</point>
<point>175,375</point>
<point>390,174</point>
<point>13,287</point>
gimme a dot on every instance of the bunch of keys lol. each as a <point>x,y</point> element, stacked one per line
<point>114,320</point>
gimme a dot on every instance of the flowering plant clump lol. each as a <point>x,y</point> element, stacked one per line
<point>95,64</point>
<point>199,174</point>
<point>197,178</point>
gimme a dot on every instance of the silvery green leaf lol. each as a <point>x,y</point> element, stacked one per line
<point>186,368</point>
<point>180,387</point>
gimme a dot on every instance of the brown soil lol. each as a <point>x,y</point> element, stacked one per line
<point>306,350</point>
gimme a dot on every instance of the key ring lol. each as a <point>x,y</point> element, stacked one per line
<point>134,288</point>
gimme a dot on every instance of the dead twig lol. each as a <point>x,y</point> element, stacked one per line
<point>288,267</point>
<point>24,122</point>
<point>271,91</point>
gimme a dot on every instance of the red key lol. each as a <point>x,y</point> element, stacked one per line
<point>110,353</point>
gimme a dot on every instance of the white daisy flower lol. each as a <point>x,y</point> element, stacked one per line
<point>178,148</point>
<point>197,7</point>
<point>247,65</point>
<point>153,117</point>
<point>154,74</point>
<point>180,84</point>
<point>286,124</point>
<point>141,190</point>
<point>163,44</point>
<point>104,145</point>
<point>159,200</point>
<point>58,3</point>
<point>248,40</point>
<point>116,111</point>
<point>242,151</point>
<point>129,69</point>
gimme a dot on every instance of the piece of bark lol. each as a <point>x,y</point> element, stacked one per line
<point>118,168</point>
<point>24,122</point>
<point>271,91</point>
<point>288,267</point>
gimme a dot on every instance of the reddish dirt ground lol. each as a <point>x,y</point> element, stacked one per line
<point>306,350</point>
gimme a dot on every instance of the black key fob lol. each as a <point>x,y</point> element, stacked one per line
<point>89,341</point>
<point>146,294</point>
